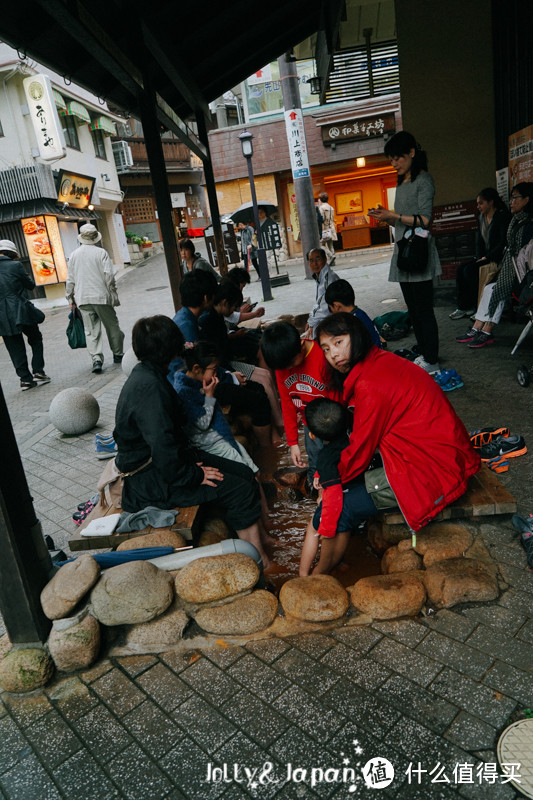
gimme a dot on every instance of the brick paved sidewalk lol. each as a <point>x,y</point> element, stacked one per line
<point>439,689</point>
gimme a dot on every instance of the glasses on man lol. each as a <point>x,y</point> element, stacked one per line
<point>517,197</point>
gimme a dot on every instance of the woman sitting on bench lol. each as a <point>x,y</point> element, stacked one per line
<point>159,465</point>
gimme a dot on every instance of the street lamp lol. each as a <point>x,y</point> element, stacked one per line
<point>248,151</point>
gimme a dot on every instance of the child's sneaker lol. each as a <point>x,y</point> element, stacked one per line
<point>41,377</point>
<point>106,449</point>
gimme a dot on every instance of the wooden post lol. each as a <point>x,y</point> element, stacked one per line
<point>25,564</point>
<point>156,160</point>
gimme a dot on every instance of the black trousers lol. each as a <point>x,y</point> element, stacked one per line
<point>467,285</point>
<point>249,399</point>
<point>17,351</point>
<point>418,296</point>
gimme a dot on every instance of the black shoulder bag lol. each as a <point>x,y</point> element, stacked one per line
<point>413,250</point>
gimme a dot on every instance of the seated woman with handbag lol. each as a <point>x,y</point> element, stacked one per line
<point>492,302</point>
<point>473,275</point>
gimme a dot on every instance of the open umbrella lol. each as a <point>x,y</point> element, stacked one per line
<point>245,213</point>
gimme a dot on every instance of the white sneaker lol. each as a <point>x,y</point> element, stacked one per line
<point>430,368</point>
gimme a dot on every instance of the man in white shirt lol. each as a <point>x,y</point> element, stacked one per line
<point>91,286</point>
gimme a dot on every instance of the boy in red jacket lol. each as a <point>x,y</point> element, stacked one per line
<point>302,375</point>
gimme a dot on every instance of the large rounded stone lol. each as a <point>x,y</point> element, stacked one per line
<point>460,580</point>
<point>134,592</point>
<point>77,646</point>
<point>396,560</point>
<point>163,537</point>
<point>129,360</point>
<point>208,538</point>
<point>166,629</point>
<point>315,598</point>
<point>442,540</point>
<point>70,583</point>
<point>389,596</point>
<point>216,577</point>
<point>74,411</point>
<point>243,616</point>
<point>23,670</point>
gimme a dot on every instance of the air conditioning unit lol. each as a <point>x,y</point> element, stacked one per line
<point>123,156</point>
<point>124,129</point>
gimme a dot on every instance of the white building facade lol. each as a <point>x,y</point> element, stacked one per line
<point>57,169</point>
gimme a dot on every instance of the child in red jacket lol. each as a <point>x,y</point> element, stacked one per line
<point>302,375</point>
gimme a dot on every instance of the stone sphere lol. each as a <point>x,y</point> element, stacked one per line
<point>74,411</point>
<point>129,361</point>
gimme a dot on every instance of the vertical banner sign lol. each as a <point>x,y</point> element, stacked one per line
<point>294,125</point>
<point>44,117</point>
<point>45,249</point>
<point>521,156</point>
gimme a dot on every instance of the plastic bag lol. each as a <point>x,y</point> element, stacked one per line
<point>75,331</point>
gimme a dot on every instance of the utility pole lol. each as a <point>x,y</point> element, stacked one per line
<point>301,173</point>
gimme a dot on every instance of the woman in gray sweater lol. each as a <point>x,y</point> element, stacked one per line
<point>414,196</point>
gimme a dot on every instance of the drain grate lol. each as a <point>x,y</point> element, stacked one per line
<point>155,288</point>
<point>516,745</point>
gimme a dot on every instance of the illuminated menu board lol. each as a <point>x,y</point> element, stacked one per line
<point>45,249</point>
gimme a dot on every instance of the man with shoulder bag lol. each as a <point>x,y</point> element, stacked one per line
<point>18,317</point>
<point>91,286</point>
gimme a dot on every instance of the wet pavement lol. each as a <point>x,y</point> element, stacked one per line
<point>298,717</point>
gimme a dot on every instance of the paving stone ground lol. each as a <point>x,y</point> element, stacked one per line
<point>255,720</point>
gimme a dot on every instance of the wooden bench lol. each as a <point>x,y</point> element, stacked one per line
<point>187,522</point>
<point>485,496</point>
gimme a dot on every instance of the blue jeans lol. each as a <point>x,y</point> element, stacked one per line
<point>357,506</point>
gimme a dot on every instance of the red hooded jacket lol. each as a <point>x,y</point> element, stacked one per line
<point>401,411</point>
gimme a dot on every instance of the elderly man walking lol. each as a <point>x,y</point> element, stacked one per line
<point>91,286</point>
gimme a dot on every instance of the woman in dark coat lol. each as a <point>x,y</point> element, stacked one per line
<point>159,465</point>
<point>491,239</point>
<point>19,316</point>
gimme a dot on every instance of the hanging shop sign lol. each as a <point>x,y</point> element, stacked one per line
<point>352,129</point>
<point>74,189</point>
<point>45,249</point>
<point>44,117</point>
<point>294,125</point>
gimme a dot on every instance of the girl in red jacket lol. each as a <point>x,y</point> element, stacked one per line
<point>400,412</point>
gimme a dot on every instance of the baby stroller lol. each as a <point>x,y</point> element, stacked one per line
<point>523,294</point>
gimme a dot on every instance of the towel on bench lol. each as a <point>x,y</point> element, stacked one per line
<point>149,516</point>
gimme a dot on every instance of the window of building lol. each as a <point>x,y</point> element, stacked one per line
<point>99,144</point>
<point>71,132</point>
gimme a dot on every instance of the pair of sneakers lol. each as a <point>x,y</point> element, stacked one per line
<point>497,443</point>
<point>475,338</point>
<point>39,378</point>
<point>105,446</point>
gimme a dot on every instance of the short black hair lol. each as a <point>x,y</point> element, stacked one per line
<point>326,418</point>
<point>186,244</point>
<point>227,290</point>
<point>340,292</point>
<point>203,353</point>
<point>280,344</point>
<point>157,340</point>
<point>195,286</point>
<point>238,275</point>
